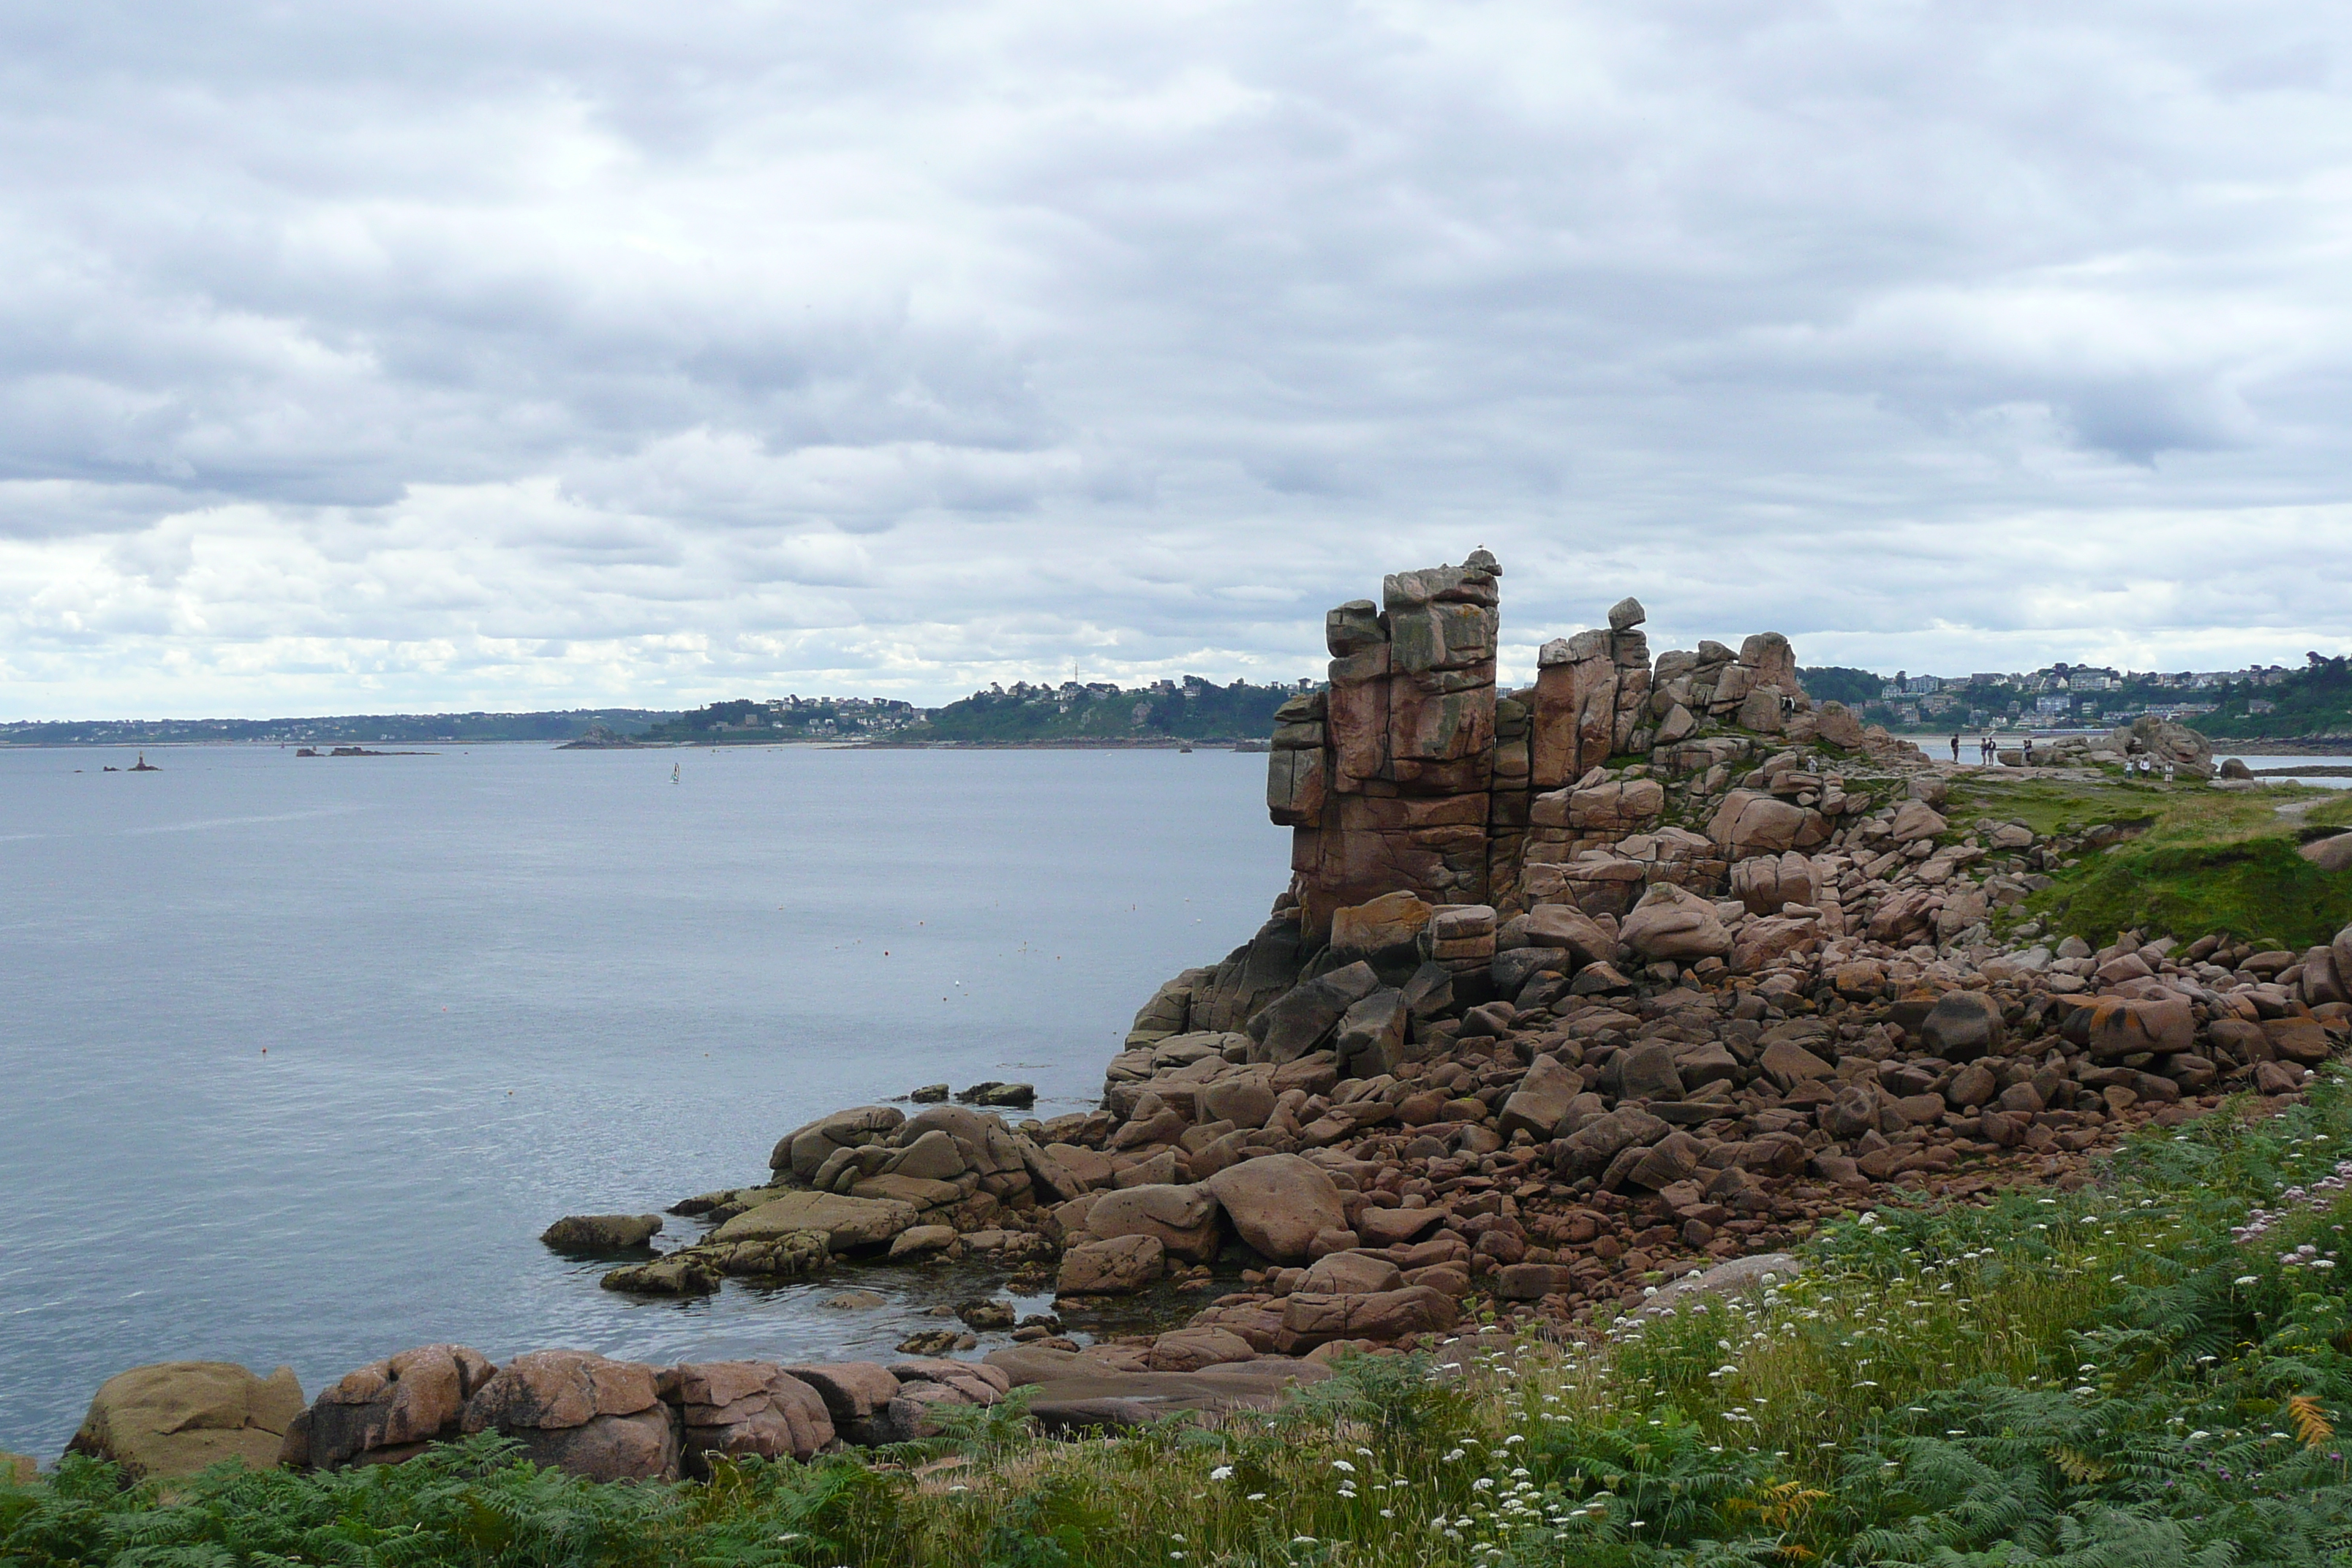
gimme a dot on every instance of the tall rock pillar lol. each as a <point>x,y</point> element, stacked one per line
<point>1395,795</point>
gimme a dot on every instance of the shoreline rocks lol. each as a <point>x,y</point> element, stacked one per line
<point>174,1419</point>
<point>1576,994</point>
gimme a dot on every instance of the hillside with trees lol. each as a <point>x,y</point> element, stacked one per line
<point>743,721</point>
<point>2310,704</point>
<point>1191,709</point>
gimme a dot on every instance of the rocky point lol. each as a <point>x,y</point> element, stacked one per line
<point>1574,994</point>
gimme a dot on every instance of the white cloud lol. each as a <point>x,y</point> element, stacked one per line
<point>458,356</point>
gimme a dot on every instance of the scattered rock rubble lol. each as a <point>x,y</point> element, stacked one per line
<point>1574,993</point>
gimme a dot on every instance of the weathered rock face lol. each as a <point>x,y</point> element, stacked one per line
<point>1406,754</point>
<point>744,1407</point>
<point>1301,1019</point>
<point>176,1417</point>
<point>581,1412</point>
<point>1412,782</point>
<point>388,1410</point>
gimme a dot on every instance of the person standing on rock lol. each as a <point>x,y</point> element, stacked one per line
<point>1955,745</point>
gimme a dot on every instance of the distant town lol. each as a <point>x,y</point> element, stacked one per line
<point>2260,700</point>
<point>2310,701</point>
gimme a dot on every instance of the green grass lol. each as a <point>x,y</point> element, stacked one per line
<point>2199,860</point>
<point>2105,1377</point>
<point>2260,889</point>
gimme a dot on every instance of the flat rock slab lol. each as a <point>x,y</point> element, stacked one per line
<point>1741,1273</point>
<point>849,1224</point>
<point>1139,1398</point>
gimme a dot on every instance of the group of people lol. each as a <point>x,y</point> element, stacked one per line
<point>2140,767</point>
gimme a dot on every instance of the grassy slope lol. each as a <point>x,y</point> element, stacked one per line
<point>2104,1376</point>
<point>2208,859</point>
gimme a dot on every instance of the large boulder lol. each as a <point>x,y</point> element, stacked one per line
<point>176,1417</point>
<point>1245,1099</point>
<point>2167,740</point>
<point>1750,822</point>
<point>1591,1147</point>
<point>1836,725</point>
<point>1566,927</point>
<point>1351,1274</point>
<point>853,1392</point>
<point>1279,1203</point>
<point>744,1407</point>
<point>1542,1098</point>
<point>849,1224</point>
<point>1386,931</point>
<point>1184,1219</point>
<point>804,1149</point>
<point>1315,1318</point>
<point>1764,942</point>
<point>1190,1350</point>
<point>2297,1039</point>
<point>1765,882</point>
<point>1961,1026</point>
<point>388,1410</point>
<point>1754,1274</point>
<point>1915,820</point>
<point>1119,1267</point>
<point>1372,1034</point>
<point>983,1143</point>
<point>601,1232</point>
<point>581,1412</point>
<point>2118,1026</point>
<point>1645,1070</point>
<point>1672,923</point>
<point>1095,1401</point>
<point>1303,1018</point>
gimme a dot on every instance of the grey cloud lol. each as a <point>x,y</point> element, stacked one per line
<point>620,355</point>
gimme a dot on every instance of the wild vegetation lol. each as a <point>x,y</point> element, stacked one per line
<point>2150,1370</point>
<point>2195,859</point>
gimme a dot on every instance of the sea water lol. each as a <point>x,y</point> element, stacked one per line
<point>299,1055</point>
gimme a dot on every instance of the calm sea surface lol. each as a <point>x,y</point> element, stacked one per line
<point>300,1055</point>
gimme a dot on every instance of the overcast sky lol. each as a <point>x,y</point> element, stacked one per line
<point>523,355</point>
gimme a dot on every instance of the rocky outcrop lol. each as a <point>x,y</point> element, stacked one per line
<point>582,1413</point>
<point>738,1408</point>
<point>1575,993</point>
<point>177,1418</point>
<point>1386,778</point>
<point>1279,1203</point>
<point>388,1410</point>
